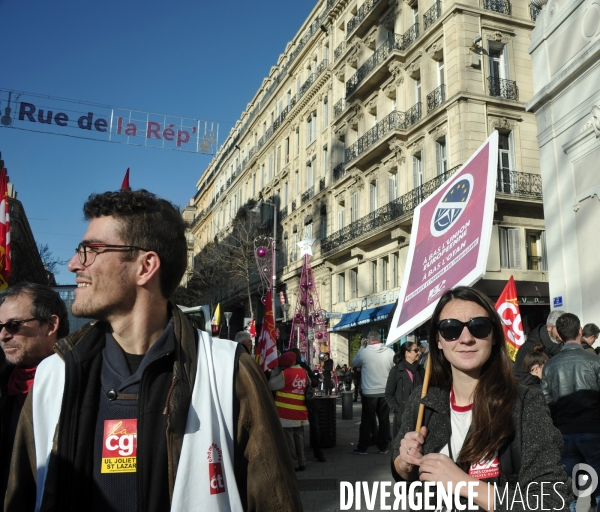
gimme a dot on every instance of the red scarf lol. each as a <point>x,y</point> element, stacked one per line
<point>20,382</point>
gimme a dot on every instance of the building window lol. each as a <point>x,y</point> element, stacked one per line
<point>294,246</point>
<point>354,207</point>
<point>323,225</point>
<point>353,283</point>
<point>373,270</point>
<point>297,140</point>
<point>441,161</point>
<point>325,113</point>
<point>373,195</point>
<point>296,184</point>
<point>393,186</point>
<point>314,126</point>
<point>341,287</point>
<point>417,170</point>
<point>262,176</point>
<point>287,150</point>
<point>510,247</point>
<point>254,185</point>
<point>285,193</point>
<point>310,182</point>
<point>341,219</point>
<point>440,73</point>
<point>309,131</point>
<point>278,162</point>
<point>325,160</point>
<point>308,230</point>
<point>536,251</point>
<point>270,167</point>
<point>418,89</point>
<point>395,270</point>
<point>384,274</point>
<point>506,159</point>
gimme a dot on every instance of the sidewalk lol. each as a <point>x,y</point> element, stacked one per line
<point>320,484</point>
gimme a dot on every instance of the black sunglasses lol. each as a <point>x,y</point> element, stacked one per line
<point>14,326</point>
<point>451,328</point>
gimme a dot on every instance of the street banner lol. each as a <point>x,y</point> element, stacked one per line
<point>266,348</point>
<point>5,261</point>
<point>450,239</point>
<point>510,314</point>
<point>73,118</point>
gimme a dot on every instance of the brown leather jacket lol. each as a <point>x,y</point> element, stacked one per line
<point>262,463</point>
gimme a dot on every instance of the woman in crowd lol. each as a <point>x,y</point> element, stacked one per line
<point>480,428</point>
<point>327,367</point>
<point>533,364</point>
<point>406,375</point>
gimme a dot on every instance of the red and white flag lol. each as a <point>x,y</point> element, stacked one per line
<point>252,329</point>
<point>5,263</point>
<point>508,309</point>
<point>266,348</point>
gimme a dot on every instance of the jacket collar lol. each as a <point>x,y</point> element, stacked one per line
<point>438,399</point>
<point>572,345</point>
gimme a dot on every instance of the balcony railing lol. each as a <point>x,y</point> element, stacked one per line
<point>339,50</point>
<point>432,14</point>
<point>360,15</point>
<point>519,183</point>
<point>410,36</point>
<point>394,42</point>
<point>502,88</point>
<point>321,184</point>
<point>390,212</point>
<point>501,6</point>
<point>309,194</point>
<point>338,108</point>
<point>393,121</point>
<point>534,11</point>
<point>283,212</point>
<point>339,171</point>
<point>436,97</point>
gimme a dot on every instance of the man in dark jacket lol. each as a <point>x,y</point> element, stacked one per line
<point>546,335</point>
<point>571,386</point>
<point>32,318</point>
<point>130,394</point>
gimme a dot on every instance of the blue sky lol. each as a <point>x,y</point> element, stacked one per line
<point>194,59</point>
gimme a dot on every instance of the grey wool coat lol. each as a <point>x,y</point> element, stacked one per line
<point>541,444</point>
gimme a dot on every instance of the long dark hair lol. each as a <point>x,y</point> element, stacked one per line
<point>496,390</point>
<point>401,354</point>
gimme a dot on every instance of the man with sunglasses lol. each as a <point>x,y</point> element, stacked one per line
<point>139,411</point>
<point>32,318</point>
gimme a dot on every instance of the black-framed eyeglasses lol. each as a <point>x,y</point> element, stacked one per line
<point>415,350</point>
<point>14,326</point>
<point>451,328</point>
<point>87,250</point>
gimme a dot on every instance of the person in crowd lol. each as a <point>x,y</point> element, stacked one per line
<point>589,335</point>
<point>138,381</point>
<point>406,375</point>
<point>424,352</point>
<point>347,378</point>
<point>571,386</point>
<point>546,335</point>
<point>375,361</point>
<point>313,416</point>
<point>327,368</point>
<point>289,380</point>
<point>244,339</point>
<point>533,364</point>
<point>33,318</point>
<point>480,428</point>
<point>356,378</point>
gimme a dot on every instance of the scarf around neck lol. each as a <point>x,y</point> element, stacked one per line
<point>20,382</point>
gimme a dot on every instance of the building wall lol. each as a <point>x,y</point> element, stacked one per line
<point>370,130</point>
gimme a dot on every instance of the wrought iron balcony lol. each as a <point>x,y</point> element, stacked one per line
<point>432,14</point>
<point>360,15</point>
<point>339,50</point>
<point>338,108</point>
<point>413,114</point>
<point>293,205</point>
<point>338,171</point>
<point>436,97</point>
<point>309,194</point>
<point>410,36</point>
<point>519,183</point>
<point>534,11</point>
<point>394,42</point>
<point>501,6</point>
<point>384,215</point>
<point>502,88</point>
<point>283,212</point>
<point>321,184</point>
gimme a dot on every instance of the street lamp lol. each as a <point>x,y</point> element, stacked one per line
<point>227,315</point>
<point>256,209</point>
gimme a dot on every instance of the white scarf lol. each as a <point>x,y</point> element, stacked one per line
<point>205,475</point>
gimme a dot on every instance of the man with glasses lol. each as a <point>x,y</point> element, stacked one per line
<point>32,318</point>
<point>149,413</point>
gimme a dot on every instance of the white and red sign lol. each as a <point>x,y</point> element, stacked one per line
<point>119,446</point>
<point>510,314</point>
<point>215,469</point>
<point>450,239</point>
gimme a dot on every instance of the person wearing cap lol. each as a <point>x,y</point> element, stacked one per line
<point>589,335</point>
<point>289,380</point>
<point>424,348</point>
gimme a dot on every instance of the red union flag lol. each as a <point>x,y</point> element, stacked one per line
<point>449,241</point>
<point>5,263</point>
<point>266,348</point>
<point>508,309</point>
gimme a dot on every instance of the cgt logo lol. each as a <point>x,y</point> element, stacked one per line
<point>584,479</point>
<point>215,469</point>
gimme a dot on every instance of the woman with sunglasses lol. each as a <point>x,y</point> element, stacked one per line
<point>405,376</point>
<point>479,426</point>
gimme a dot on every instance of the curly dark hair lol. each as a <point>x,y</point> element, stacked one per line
<point>496,390</point>
<point>150,222</point>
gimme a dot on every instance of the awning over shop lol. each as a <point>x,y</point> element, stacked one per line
<point>351,320</point>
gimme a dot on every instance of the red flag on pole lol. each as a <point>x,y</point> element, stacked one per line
<point>5,263</point>
<point>266,348</point>
<point>125,183</point>
<point>508,309</point>
<point>252,329</point>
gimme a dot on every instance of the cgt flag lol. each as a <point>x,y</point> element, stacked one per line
<point>5,262</point>
<point>508,309</point>
<point>266,348</point>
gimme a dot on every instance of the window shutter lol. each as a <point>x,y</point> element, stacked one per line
<point>415,172</point>
<point>438,158</point>
<point>514,241</point>
<point>543,265</point>
<point>503,237</point>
